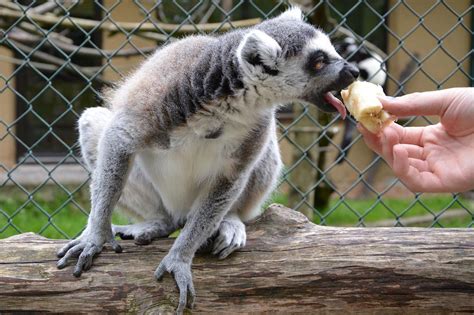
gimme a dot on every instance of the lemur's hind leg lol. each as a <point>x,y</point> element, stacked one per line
<point>231,234</point>
<point>138,200</point>
<point>144,233</point>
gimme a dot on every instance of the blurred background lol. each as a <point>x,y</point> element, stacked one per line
<point>57,56</point>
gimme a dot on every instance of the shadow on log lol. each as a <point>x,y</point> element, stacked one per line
<point>289,265</point>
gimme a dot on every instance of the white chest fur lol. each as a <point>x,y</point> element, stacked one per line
<point>184,173</point>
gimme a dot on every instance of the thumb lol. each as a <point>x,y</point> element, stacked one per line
<point>417,104</point>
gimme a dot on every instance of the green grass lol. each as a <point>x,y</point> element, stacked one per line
<point>31,214</point>
<point>348,212</point>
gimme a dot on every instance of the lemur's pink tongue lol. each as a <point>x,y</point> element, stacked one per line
<point>334,101</point>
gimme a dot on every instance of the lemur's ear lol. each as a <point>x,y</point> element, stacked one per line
<point>258,53</point>
<point>293,13</point>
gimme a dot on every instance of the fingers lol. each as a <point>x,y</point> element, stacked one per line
<point>65,248</point>
<point>219,245</point>
<point>231,237</point>
<point>416,179</point>
<point>90,257</point>
<point>390,137</point>
<point>85,251</point>
<point>414,151</point>
<point>382,144</point>
<point>404,135</point>
<point>115,246</point>
<point>160,271</point>
<point>420,165</point>
<point>124,236</point>
<point>401,148</point>
<point>416,104</point>
<point>227,251</point>
<point>416,157</point>
<point>373,141</point>
<point>72,252</point>
<point>187,294</point>
<point>182,275</point>
<point>192,294</point>
<point>223,241</point>
<point>238,241</point>
<point>407,135</point>
<point>411,135</point>
<point>85,259</point>
<point>182,283</point>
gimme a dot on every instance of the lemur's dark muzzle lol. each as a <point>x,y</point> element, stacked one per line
<point>326,99</point>
<point>349,73</point>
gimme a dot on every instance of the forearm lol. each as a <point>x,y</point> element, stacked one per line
<point>107,182</point>
<point>204,220</point>
<point>116,149</point>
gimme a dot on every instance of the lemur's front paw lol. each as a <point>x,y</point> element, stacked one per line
<point>181,271</point>
<point>85,247</point>
<point>230,237</point>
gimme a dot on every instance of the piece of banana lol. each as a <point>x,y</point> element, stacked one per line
<point>361,100</point>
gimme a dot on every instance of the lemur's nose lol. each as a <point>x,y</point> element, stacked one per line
<point>355,72</point>
<point>352,70</point>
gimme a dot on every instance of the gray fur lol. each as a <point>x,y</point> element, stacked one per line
<point>189,140</point>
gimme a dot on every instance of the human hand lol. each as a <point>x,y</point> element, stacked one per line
<point>436,158</point>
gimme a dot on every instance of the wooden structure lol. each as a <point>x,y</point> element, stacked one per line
<point>289,265</point>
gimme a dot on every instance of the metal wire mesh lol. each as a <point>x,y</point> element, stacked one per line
<point>56,56</point>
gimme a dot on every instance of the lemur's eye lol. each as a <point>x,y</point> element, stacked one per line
<point>319,65</point>
<point>317,61</point>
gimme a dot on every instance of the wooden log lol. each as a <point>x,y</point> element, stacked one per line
<point>289,265</point>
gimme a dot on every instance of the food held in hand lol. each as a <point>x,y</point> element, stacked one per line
<point>361,99</point>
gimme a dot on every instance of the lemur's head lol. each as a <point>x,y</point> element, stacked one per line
<point>291,60</point>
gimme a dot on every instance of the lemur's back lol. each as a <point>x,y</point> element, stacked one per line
<point>162,71</point>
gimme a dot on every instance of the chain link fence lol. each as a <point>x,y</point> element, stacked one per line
<point>57,56</point>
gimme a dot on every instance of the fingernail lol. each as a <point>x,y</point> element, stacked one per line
<point>60,264</point>
<point>118,249</point>
<point>77,273</point>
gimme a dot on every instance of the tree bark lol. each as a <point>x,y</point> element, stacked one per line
<point>289,265</point>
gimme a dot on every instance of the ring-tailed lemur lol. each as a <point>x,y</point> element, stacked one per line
<point>189,139</point>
